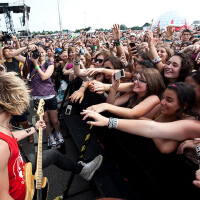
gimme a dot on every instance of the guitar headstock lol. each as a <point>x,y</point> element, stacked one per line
<point>39,106</point>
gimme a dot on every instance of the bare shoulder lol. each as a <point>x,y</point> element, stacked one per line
<point>153,98</point>
<point>154,112</point>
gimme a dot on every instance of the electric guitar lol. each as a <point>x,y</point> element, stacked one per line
<point>36,186</point>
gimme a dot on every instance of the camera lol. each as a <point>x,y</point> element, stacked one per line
<point>68,110</point>
<point>36,54</point>
<point>6,37</point>
<point>82,52</point>
<point>132,44</point>
<point>119,74</point>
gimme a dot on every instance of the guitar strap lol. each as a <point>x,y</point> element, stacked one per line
<point>22,152</point>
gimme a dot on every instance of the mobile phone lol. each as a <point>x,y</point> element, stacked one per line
<point>68,110</point>
<point>132,44</point>
<point>119,74</point>
<point>107,45</point>
<point>197,56</point>
<point>1,68</point>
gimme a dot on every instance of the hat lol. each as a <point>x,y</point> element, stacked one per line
<point>133,34</point>
<point>58,50</point>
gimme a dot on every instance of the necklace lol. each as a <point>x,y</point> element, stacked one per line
<point>13,127</point>
<point>6,128</point>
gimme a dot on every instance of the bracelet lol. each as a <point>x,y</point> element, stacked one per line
<point>113,122</point>
<point>1,45</point>
<point>117,41</point>
<point>76,62</point>
<point>157,60</point>
<point>82,86</point>
<point>35,128</point>
<point>37,67</point>
<point>117,44</point>
<point>166,40</point>
<point>198,153</point>
<point>110,85</point>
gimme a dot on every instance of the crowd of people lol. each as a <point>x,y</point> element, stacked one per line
<point>158,96</point>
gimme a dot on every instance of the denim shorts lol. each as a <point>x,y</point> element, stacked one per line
<point>50,104</point>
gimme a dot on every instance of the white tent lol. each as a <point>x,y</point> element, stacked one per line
<point>90,31</point>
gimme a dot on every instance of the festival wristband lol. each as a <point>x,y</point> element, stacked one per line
<point>37,67</point>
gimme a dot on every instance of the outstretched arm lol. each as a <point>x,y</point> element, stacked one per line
<point>179,130</point>
<point>141,109</point>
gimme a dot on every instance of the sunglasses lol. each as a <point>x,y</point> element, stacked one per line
<point>138,80</point>
<point>107,67</point>
<point>98,60</point>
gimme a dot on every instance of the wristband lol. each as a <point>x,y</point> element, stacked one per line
<point>110,85</point>
<point>1,45</point>
<point>37,67</point>
<point>117,44</point>
<point>166,40</point>
<point>113,122</point>
<point>198,153</point>
<point>76,62</point>
<point>117,41</point>
<point>157,60</point>
<point>83,86</point>
<point>35,128</point>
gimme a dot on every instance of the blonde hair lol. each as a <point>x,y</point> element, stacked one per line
<point>14,94</point>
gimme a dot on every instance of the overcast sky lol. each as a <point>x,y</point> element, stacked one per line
<point>77,14</point>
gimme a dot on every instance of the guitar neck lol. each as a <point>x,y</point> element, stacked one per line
<point>38,174</point>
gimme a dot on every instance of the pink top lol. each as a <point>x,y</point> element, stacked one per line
<point>70,65</point>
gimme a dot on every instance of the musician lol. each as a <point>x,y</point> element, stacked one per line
<point>14,99</point>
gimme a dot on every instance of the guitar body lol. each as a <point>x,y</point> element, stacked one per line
<point>31,192</point>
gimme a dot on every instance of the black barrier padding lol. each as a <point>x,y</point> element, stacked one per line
<point>110,183</point>
<point>92,98</point>
<point>166,174</point>
<point>78,130</point>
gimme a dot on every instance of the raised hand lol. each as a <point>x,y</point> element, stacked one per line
<point>116,32</point>
<point>169,32</point>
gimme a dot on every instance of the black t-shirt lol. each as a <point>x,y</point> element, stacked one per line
<point>13,66</point>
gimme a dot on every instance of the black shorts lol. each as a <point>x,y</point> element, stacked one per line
<point>50,104</point>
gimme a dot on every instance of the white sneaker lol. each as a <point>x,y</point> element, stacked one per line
<point>90,168</point>
<point>59,138</point>
<point>52,140</point>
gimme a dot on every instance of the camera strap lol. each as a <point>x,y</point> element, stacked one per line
<point>46,66</point>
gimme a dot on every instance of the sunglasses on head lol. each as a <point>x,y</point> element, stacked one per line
<point>98,60</point>
<point>107,67</point>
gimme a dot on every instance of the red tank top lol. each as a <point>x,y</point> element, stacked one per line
<point>15,169</point>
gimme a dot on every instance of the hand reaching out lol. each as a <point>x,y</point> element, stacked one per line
<point>99,119</point>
